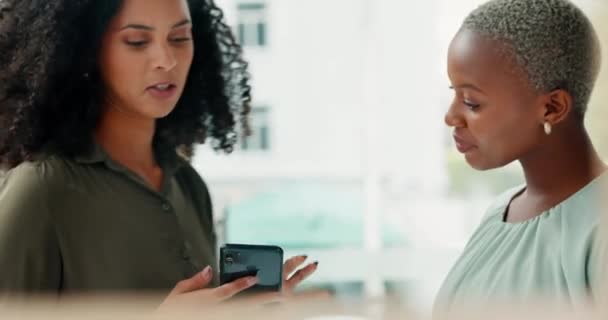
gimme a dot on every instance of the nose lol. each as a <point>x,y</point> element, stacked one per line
<point>164,58</point>
<point>453,118</point>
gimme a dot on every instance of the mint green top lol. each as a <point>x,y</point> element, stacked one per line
<point>554,256</point>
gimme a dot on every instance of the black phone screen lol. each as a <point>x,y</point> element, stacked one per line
<point>264,262</point>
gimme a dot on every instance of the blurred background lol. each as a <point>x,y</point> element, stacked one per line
<point>350,161</point>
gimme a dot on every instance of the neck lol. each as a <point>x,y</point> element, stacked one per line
<point>566,163</point>
<point>127,139</point>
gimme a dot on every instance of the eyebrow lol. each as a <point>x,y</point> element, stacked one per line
<point>467,86</point>
<point>149,28</point>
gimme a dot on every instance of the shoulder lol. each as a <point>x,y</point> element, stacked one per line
<point>42,180</point>
<point>586,233</point>
<point>194,187</point>
<point>187,175</point>
<point>34,176</point>
<point>27,192</point>
<point>584,208</point>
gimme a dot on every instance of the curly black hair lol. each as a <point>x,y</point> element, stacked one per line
<point>51,90</point>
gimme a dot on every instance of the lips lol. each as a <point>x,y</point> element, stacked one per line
<point>463,145</point>
<point>162,90</point>
<point>162,86</point>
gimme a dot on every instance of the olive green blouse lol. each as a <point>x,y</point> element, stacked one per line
<point>86,224</point>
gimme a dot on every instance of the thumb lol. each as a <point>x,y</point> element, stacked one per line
<point>197,282</point>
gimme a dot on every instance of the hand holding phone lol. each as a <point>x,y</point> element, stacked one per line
<point>263,262</point>
<point>197,292</point>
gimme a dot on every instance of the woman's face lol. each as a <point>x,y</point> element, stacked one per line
<point>496,115</point>
<point>146,55</point>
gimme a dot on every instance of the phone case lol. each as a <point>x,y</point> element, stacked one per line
<point>263,262</point>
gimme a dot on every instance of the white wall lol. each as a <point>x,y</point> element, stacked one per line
<point>330,67</point>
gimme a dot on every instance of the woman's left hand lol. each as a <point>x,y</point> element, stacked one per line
<point>293,275</point>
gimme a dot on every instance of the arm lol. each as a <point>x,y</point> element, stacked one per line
<point>30,261</point>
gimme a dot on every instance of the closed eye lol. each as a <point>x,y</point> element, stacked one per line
<point>136,44</point>
<point>180,40</point>
<point>471,105</point>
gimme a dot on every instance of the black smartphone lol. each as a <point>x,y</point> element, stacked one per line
<point>243,260</point>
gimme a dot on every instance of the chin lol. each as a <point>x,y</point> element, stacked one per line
<point>485,164</point>
<point>481,167</point>
<point>159,112</point>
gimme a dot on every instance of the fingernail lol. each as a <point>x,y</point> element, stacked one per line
<point>207,271</point>
<point>252,281</point>
<point>316,263</point>
<point>304,256</point>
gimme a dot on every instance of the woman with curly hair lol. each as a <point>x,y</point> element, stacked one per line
<point>101,104</point>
